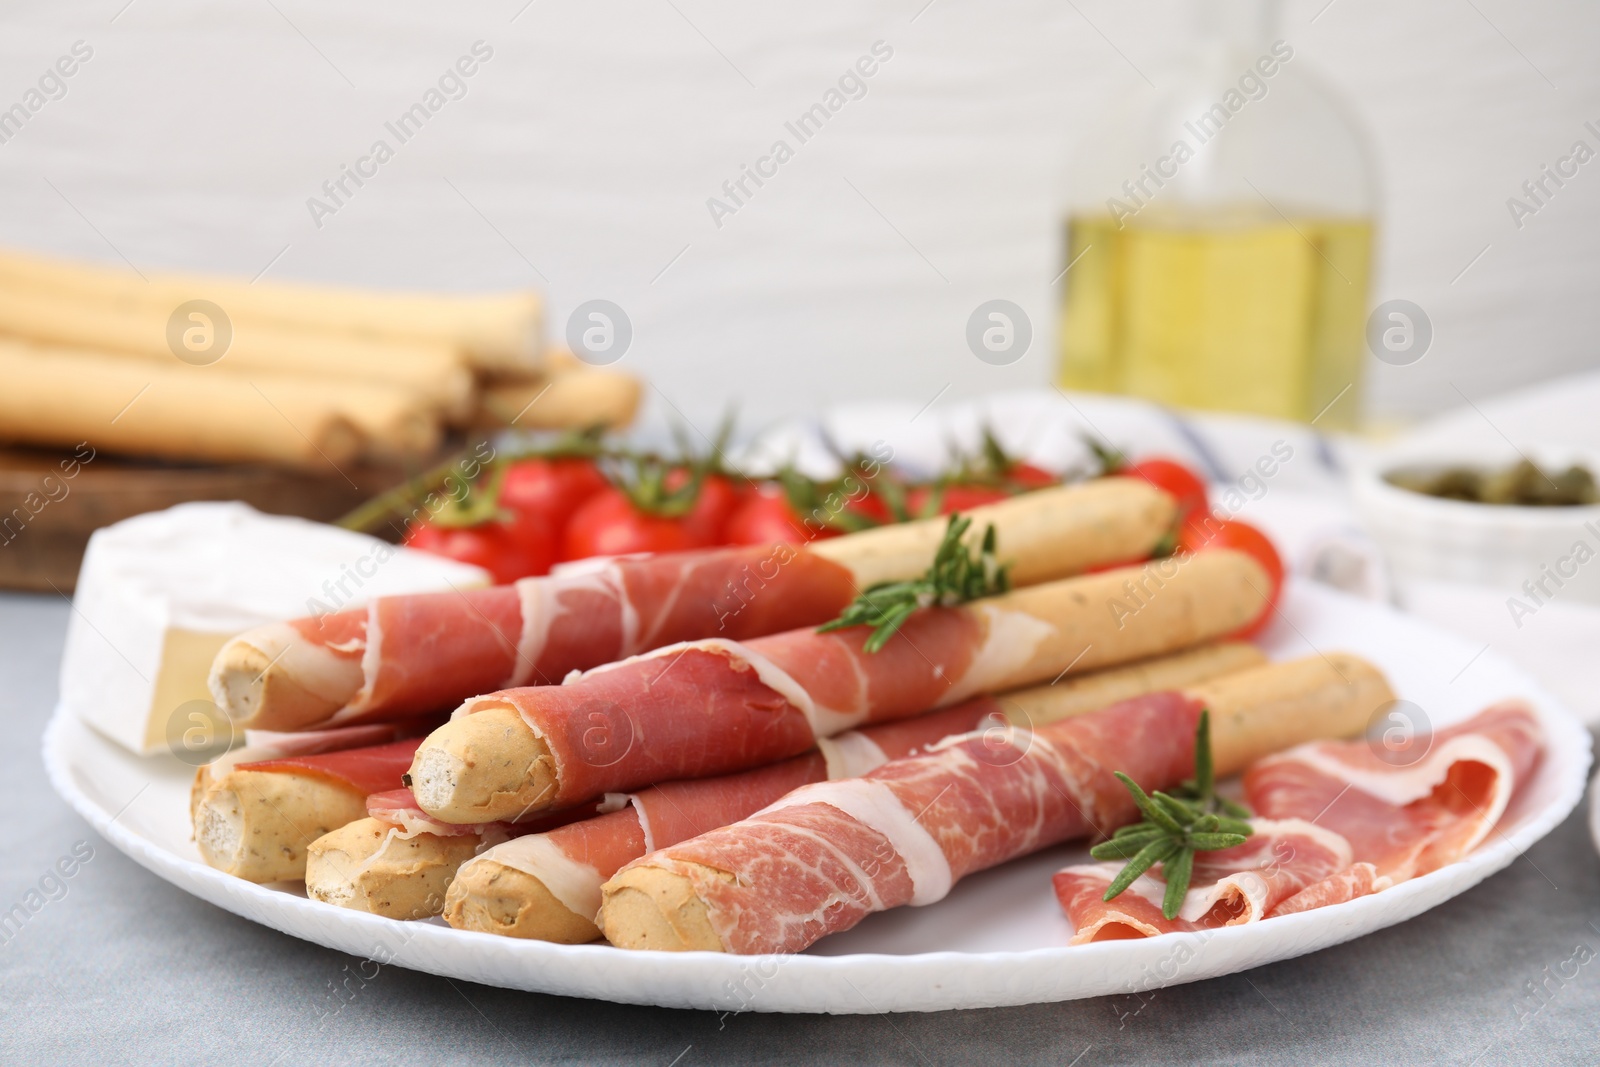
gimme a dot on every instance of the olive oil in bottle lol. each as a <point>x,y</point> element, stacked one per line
<point>1219,309</point>
<point>1218,233</point>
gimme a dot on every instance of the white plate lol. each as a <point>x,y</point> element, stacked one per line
<point>998,939</point>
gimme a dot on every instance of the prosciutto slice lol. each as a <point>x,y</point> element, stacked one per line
<point>399,809</point>
<point>576,859</point>
<point>404,655</point>
<point>1337,820</point>
<point>263,745</point>
<point>825,856</point>
<point>369,770</point>
<point>1414,809</point>
<point>1280,861</point>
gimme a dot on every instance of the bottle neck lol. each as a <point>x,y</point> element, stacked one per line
<point>1240,24</point>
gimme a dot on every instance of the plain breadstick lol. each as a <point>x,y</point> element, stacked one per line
<point>1046,534</point>
<point>1083,693</point>
<point>654,904</point>
<point>1118,616</point>
<point>493,332</point>
<point>369,865</point>
<point>566,398</point>
<point>1256,713</point>
<point>471,770</point>
<point>395,424</point>
<point>431,371</point>
<point>64,396</point>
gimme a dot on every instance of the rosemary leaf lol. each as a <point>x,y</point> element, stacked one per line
<point>1233,808</point>
<point>1175,828</point>
<point>1152,854</point>
<point>1181,810</point>
<point>1211,842</point>
<point>1177,871</point>
<point>1204,780</point>
<point>1122,848</point>
<point>955,577</point>
<point>1151,809</point>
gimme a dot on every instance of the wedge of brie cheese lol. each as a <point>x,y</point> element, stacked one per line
<point>160,593</point>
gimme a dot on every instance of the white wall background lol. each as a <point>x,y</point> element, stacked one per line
<point>581,158</point>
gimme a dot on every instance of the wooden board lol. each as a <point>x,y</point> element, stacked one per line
<point>46,516</point>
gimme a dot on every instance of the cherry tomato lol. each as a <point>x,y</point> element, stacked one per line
<point>551,489</point>
<point>1027,476</point>
<point>767,518</point>
<point>1187,487</point>
<point>490,545</point>
<point>608,524</point>
<point>869,507</point>
<point>1203,533</point>
<point>954,498</point>
<point>538,538</point>
<point>709,514</point>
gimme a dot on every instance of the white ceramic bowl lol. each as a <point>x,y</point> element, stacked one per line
<point>1506,547</point>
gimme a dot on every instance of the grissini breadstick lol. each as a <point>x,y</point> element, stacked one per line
<point>826,856</point>
<point>398,861</point>
<point>388,659</point>
<point>1083,693</point>
<point>714,706</point>
<point>547,886</point>
<point>1043,535</point>
<point>395,424</point>
<point>365,866</point>
<point>565,398</point>
<point>493,332</point>
<point>63,396</point>
<point>255,820</point>
<point>431,371</point>
<point>260,745</point>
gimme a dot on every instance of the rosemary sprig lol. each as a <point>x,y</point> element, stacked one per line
<point>1190,819</point>
<point>955,577</point>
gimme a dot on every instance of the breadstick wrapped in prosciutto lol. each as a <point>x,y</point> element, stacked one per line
<point>398,861</point>
<point>409,654</point>
<point>547,886</point>
<point>827,855</point>
<point>1334,821</point>
<point>254,818</point>
<point>710,707</point>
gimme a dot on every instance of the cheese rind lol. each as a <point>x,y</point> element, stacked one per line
<point>160,593</point>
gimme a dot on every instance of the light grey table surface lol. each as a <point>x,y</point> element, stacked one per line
<point>128,969</point>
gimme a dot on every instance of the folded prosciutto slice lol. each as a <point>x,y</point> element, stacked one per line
<point>573,861</point>
<point>1336,820</point>
<point>827,855</point>
<point>1267,875</point>
<point>1414,809</point>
